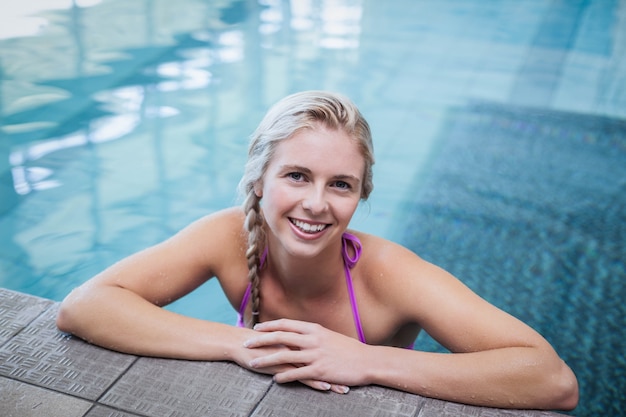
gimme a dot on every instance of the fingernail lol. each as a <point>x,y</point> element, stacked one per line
<point>345,389</point>
<point>253,363</point>
<point>325,386</point>
<point>246,343</point>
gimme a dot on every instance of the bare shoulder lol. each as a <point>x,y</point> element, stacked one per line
<point>389,280</point>
<point>168,270</point>
<point>225,220</point>
<point>399,277</point>
<point>216,240</point>
<point>388,261</point>
<point>227,223</point>
<point>218,244</point>
<point>440,303</point>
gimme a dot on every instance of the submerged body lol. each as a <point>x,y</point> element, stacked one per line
<point>297,210</point>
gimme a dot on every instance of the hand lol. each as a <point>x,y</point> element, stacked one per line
<point>247,356</point>
<point>310,352</point>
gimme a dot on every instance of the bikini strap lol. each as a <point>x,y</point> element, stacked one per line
<point>349,261</point>
<point>243,305</point>
<point>355,243</point>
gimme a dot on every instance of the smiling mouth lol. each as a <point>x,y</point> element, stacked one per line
<point>308,227</point>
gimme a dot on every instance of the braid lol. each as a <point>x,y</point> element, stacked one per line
<point>256,240</point>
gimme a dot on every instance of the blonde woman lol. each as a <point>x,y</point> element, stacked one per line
<point>317,303</point>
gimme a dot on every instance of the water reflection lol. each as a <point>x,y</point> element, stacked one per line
<point>177,88</point>
<point>22,19</point>
<point>102,85</point>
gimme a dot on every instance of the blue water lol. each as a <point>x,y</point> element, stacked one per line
<point>499,128</point>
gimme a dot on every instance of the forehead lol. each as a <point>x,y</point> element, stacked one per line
<point>321,149</point>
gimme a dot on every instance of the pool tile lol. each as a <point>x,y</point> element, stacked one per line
<point>24,400</point>
<point>101,411</point>
<point>43,356</point>
<point>295,400</point>
<point>447,409</point>
<point>17,310</point>
<point>159,387</point>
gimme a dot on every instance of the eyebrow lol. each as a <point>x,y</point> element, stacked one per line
<point>343,177</point>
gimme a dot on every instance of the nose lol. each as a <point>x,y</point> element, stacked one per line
<point>315,201</point>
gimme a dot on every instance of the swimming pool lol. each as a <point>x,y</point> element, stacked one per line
<point>499,130</point>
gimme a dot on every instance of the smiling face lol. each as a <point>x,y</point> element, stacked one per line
<point>311,188</point>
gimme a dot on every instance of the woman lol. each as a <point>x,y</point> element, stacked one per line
<point>319,305</point>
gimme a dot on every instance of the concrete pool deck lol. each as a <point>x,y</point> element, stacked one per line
<point>46,373</point>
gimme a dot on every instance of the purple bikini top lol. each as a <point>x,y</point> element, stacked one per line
<point>349,243</point>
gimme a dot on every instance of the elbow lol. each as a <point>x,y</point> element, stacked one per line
<point>67,315</point>
<point>63,320</point>
<point>570,395</point>
<point>565,392</point>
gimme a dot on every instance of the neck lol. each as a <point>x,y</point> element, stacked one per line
<point>306,277</point>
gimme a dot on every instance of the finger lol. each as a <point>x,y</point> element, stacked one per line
<point>340,389</point>
<point>287,325</point>
<point>303,374</point>
<point>318,385</point>
<point>299,373</point>
<point>275,338</point>
<point>278,358</point>
<point>312,383</point>
<point>325,386</point>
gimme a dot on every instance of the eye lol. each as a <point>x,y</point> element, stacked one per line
<point>343,185</point>
<point>295,176</point>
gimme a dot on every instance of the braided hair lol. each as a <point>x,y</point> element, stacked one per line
<point>293,113</point>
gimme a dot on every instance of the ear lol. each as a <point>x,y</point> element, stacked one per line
<point>258,189</point>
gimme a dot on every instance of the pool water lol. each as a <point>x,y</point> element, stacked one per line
<point>499,129</point>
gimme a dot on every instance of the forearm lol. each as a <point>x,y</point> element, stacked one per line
<point>120,320</point>
<point>516,377</point>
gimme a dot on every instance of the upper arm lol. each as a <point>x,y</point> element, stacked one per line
<point>171,269</point>
<point>448,310</point>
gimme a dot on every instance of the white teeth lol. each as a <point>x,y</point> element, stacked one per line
<point>309,228</point>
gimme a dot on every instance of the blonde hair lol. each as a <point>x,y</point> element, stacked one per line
<point>293,113</point>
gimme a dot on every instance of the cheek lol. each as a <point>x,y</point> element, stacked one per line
<point>276,198</point>
<point>346,207</point>
<point>274,194</point>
